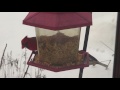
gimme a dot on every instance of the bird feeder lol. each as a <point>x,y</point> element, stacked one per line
<point>58,37</point>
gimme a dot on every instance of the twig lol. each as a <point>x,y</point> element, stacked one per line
<point>107,46</point>
<point>106,61</point>
<point>108,64</point>
<point>3,56</point>
<point>14,61</point>
<point>25,57</point>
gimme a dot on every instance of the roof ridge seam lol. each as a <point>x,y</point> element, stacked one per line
<point>83,18</point>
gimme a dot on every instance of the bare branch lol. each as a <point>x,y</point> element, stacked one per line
<point>3,56</point>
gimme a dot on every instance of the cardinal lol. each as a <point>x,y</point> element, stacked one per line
<point>29,43</point>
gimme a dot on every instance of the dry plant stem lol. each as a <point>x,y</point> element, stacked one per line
<point>25,57</point>
<point>3,56</point>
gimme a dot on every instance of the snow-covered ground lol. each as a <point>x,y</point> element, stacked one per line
<point>102,33</point>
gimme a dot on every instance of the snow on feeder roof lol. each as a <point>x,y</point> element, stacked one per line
<point>58,20</point>
<point>58,36</point>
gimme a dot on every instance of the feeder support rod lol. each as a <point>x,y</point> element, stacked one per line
<point>85,48</point>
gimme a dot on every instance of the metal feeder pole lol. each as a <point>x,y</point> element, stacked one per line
<point>85,48</point>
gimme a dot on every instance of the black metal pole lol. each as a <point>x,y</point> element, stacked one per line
<point>116,67</point>
<point>86,38</point>
<point>85,47</point>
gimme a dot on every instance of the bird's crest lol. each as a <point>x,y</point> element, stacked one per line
<point>24,41</point>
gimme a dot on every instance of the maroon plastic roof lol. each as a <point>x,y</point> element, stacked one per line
<point>58,20</point>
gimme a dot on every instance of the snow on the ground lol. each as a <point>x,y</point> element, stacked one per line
<point>102,33</point>
<point>12,31</point>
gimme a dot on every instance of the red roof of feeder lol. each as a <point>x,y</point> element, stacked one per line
<point>58,20</point>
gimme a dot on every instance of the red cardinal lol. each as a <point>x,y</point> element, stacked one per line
<point>29,43</point>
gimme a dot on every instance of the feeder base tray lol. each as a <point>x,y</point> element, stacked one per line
<point>84,63</point>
